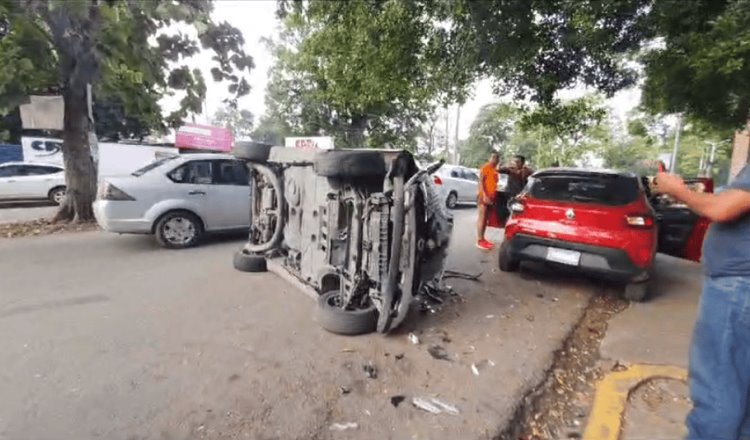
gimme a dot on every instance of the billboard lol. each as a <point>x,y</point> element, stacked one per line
<point>204,137</point>
<point>310,143</point>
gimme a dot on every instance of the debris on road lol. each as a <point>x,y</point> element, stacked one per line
<point>370,370</point>
<point>396,400</point>
<point>461,275</point>
<point>481,365</point>
<point>414,339</point>
<point>399,356</point>
<point>344,426</point>
<point>348,350</point>
<point>345,390</point>
<point>438,352</point>
<point>434,406</point>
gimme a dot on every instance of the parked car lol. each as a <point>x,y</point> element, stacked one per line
<point>459,183</point>
<point>366,229</point>
<point>177,198</point>
<point>32,181</point>
<point>597,222</point>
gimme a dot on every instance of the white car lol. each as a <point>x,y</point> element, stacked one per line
<point>460,184</point>
<point>177,198</point>
<point>32,181</point>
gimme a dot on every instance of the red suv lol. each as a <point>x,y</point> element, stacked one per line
<point>599,222</point>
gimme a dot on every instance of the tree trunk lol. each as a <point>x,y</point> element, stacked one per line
<point>80,171</point>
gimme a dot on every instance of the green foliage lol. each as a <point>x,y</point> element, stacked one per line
<point>703,66</point>
<point>137,61</point>
<point>491,130</point>
<point>366,72</point>
<point>239,121</point>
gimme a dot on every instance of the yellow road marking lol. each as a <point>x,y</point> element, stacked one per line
<point>611,398</point>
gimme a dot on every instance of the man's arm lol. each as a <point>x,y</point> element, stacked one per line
<point>721,208</point>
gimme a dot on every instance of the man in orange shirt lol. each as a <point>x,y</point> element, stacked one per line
<point>488,178</point>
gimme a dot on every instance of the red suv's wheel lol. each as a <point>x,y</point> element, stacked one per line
<point>506,262</point>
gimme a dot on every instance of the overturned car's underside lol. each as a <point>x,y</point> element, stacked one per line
<point>364,228</point>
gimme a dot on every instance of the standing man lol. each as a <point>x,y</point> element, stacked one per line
<point>720,349</point>
<point>518,174</point>
<point>487,191</point>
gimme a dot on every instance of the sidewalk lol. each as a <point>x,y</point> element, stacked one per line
<point>656,335</point>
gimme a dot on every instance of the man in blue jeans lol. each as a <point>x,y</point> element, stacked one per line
<point>720,350</point>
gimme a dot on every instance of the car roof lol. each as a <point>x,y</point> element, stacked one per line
<point>30,163</point>
<point>583,172</point>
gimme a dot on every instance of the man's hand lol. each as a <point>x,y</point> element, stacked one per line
<point>670,184</point>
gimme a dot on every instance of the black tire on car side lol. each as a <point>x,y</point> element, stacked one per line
<point>188,219</point>
<point>57,195</point>
<point>245,262</point>
<point>452,200</point>
<point>636,292</point>
<point>344,322</point>
<point>506,262</point>
<point>350,164</point>
<point>252,151</point>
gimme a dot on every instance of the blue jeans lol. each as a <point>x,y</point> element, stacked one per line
<point>720,362</point>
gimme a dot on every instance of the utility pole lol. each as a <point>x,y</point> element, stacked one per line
<point>676,149</point>
<point>447,133</point>
<point>455,146</point>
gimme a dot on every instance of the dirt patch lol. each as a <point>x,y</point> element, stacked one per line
<point>42,227</point>
<point>558,408</point>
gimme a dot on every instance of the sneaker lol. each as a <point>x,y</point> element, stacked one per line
<point>485,245</point>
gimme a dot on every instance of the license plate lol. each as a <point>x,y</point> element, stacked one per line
<point>563,256</point>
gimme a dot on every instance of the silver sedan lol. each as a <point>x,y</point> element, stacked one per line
<point>178,199</point>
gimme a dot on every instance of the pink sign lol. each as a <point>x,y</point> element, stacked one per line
<point>204,137</point>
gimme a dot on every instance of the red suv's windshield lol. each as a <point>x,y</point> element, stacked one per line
<point>604,189</point>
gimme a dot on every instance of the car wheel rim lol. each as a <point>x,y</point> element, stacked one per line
<point>452,200</point>
<point>179,231</point>
<point>58,197</point>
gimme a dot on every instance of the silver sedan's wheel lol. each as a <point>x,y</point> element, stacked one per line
<point>452,200</point>
<point>57,195</point>
<point>178,230</point>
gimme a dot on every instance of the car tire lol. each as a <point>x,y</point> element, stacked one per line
<point>636,292</point>
<point>452,200</point>
<point>245,262</point>
<point>505,261</point>
<point>190,234</point>
<point>350,164</point>
<point>252,151</point>
<point>344,322</point>
<point>57,195</point>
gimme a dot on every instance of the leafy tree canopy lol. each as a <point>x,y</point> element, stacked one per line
<point>239,121</point>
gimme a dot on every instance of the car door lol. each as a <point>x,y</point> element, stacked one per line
<point>40,179</point>
<point>8,181</point>
<point>229,201</point>
<point>192,188</point>
<point>681,231</point>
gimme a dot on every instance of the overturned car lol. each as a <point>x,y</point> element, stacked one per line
<point>364,228</point>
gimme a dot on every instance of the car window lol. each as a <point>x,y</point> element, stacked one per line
<point>606,189</point>
<point>40,170</point>
<point>197,172</point>
<point>9,171</point>
<point>152,165</point>
<point>471,175</point>
<point>455,173</point>
<point>230,172</point>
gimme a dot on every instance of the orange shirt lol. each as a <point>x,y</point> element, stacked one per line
<point>488,178</point>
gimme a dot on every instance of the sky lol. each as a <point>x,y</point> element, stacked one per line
<point>257,20</point>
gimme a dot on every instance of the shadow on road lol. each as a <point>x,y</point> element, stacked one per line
<point>141,243</point>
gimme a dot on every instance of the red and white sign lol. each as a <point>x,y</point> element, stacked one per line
<point>204,137</point>
<point>310,143</point>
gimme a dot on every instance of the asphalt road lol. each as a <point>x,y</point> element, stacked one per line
<point>110,337</point>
